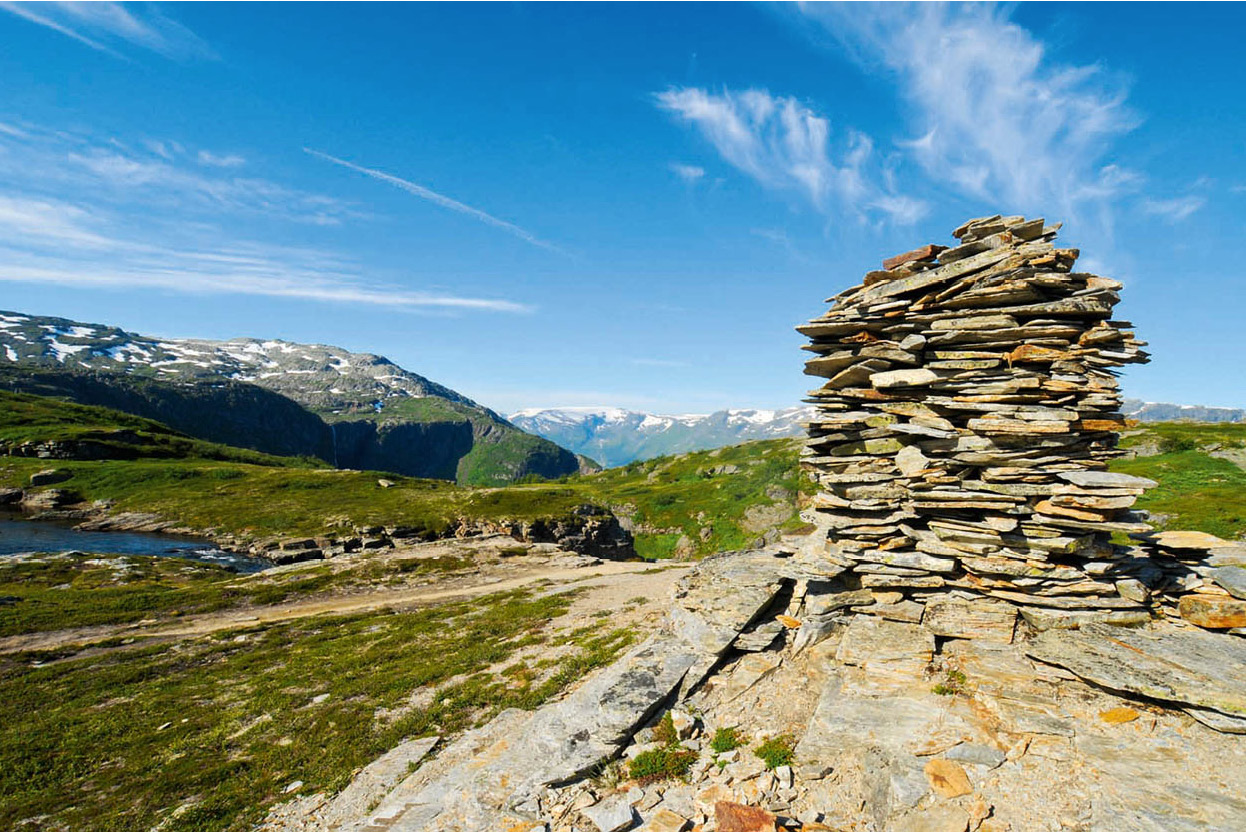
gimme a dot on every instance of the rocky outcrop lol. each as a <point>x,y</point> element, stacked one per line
<point>589,530</point>
<point>889,726</point>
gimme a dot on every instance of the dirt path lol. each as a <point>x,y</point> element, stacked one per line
<point>198,625</point>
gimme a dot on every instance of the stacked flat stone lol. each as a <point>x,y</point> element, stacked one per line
<point>962,436</point>
<point>1203,579</point>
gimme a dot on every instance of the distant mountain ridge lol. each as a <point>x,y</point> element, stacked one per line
<point>1167,412</point>
<point>371,413</point>
<point>616,436</point>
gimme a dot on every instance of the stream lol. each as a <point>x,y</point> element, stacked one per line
<point>19,535</point>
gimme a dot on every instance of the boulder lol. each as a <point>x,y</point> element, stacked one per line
<point>614,813</point>
<point>46,477</point>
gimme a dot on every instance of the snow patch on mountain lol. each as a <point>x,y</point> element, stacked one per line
<point>324,378</point>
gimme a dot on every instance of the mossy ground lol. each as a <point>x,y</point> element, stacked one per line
<point>204,734</point>
<point>684,495</point>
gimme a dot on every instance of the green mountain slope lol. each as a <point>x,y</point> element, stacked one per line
<point>358,411</point>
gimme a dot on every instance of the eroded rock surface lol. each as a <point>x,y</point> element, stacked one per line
<point>892,726</point>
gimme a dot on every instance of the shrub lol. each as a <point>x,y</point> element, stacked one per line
<point>777,751</point>
<point>661,763</point>
<point>1177,443</point>
<point>726,738</point>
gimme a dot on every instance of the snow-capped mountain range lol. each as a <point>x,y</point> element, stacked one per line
<point>322,377</point>
<point>615,436</point>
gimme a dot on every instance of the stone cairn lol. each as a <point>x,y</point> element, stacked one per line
<point>962,436</point>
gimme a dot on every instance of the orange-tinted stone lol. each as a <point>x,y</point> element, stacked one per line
<point>1213,612</point>
<point>732,816</point>
<point>948,779</point>
<point>1119,715</point>
<point>919,254</point>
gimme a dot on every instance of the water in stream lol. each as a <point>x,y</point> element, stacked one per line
<point>19,535</point>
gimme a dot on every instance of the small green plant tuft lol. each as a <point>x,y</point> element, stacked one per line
<point>777,751</point>
<point>725,739</point>
<point>661,763</point>
<point>609,776</point>
<point>665,733</point>
<point>953,683</point>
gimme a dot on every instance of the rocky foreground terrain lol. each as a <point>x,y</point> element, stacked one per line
<point>962,643</point>
<point>893,725</point>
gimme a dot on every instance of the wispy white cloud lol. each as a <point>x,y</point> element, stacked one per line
<point>782,239</point>
<point>785,146</point>
<point>228,160</point>
<point>52,242</point>
<point>687,173</point>
<point>438,199</point>
<point>106,27</point>
<point>154,172</point>
<point>1176,209</point>
<point>996,118</point>
<point>148,215</point>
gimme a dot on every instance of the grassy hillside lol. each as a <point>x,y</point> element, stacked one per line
<point>687,505</point>
<point>699,503</point>
<point>103,432</point>
<point>204,734</point>
<point>1201,475</point>
<point>684,505</point>
<point>221,410</point>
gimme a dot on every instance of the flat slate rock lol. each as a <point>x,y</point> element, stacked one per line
<point>1193,668</point>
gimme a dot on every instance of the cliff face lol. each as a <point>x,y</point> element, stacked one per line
<point>278,397</point>
<point>425,450</point>
<point>222,411</point>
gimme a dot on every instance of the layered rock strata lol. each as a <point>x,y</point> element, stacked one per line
<point>963,432</point>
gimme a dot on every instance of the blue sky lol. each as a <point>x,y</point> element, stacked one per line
<point>630,205</point>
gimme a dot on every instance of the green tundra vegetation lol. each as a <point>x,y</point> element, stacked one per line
<point>147,467</point>
<point>205,734</point>
<point>685,505</point>
<point>1201,472</point>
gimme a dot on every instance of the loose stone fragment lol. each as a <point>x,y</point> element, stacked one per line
<point>732,816</point>
<point>948,779</point>
<point>1213,612</point>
